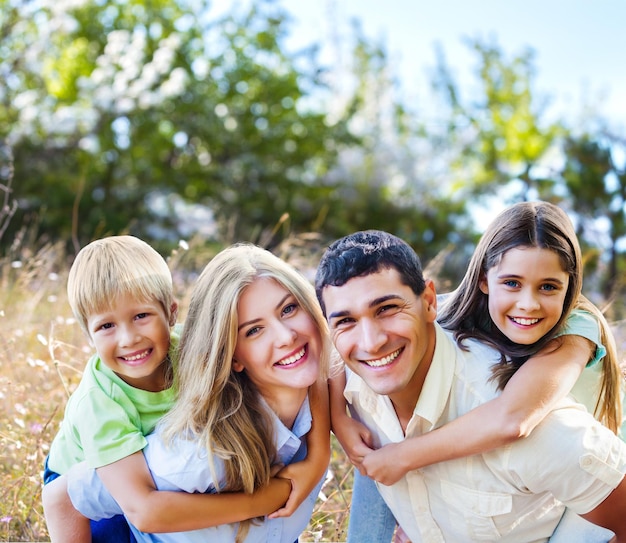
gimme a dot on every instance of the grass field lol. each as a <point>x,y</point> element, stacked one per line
<point>42,354</point>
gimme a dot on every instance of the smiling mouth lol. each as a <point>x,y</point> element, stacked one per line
<point>523,321</point>
<point>293,358</point>
<point>136,357</point>
<point>384,361</point>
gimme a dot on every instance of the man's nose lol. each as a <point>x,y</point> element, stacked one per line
<point>373,337</point>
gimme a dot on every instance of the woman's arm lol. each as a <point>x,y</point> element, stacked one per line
<point>527,398</point>
<point>155,511</point>
<point>306,474</point>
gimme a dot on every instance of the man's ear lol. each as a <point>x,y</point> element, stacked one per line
<point>483,285</point>
<point>430,299</point>
<point>173,313</point>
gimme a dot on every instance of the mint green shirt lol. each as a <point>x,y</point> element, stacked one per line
<point>106,419</point>
<point>587,389</point>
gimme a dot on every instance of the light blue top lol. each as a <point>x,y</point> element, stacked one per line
<point>184,466</point>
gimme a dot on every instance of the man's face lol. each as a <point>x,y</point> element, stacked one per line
<point>383,331</point>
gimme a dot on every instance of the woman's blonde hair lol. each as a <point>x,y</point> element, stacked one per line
<point>217,405</point>
<point>113,266</point>
<point>466,310</point>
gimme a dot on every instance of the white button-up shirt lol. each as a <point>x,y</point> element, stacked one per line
<point>185,467</point>
<point>516,493</point>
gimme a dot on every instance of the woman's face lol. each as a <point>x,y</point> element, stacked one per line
<point>278,343</point>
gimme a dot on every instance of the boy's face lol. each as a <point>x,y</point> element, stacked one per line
<point>383,331</point>
<point>132,338</point>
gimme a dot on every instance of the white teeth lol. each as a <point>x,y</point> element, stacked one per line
<point>383,361</point>
<point>524,322</point>
<point>293,358</point>
<point>137,356</point>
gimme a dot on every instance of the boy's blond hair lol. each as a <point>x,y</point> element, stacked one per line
<point>113,266</point>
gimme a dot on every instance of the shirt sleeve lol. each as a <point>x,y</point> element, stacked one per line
<point>109,428</point>
<point>88,494</point>
<point>584,324</point>
<point>572,456</point>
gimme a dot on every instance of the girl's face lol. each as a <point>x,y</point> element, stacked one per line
<point>526,292</point>
<point>278,343</point>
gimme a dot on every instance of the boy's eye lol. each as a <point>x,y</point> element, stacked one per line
<point>141,315</point>
<point>106,326</point>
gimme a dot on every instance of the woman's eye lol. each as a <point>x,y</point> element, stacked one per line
<point>252,331</point>
<point>290,308</point>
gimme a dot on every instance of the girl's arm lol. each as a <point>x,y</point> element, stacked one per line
<point>306,474</point>
<point>155,511</point>
<point>527,398</point>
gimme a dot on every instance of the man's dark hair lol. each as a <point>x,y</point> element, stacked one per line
<point>364,253</point>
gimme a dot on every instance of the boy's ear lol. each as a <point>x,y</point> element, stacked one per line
<point>173,313</point>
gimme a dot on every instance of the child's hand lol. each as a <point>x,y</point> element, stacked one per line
<point>385,465</point>
<point>299,475</point>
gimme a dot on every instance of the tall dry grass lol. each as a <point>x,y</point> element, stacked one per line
<point>42,354</point>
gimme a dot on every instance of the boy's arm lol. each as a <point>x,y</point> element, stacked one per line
<point>527,398</point>
<point>129,481</point>
<point>65,524</point>
<point>305,475</point>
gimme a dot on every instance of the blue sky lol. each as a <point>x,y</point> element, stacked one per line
<point>580,44</point>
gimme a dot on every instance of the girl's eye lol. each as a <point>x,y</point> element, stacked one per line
<point>252,331</point>
<point>511,283</point>
<point>548,287</point>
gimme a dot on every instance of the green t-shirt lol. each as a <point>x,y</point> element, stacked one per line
<point>587,389</point>
<point>106,419</point>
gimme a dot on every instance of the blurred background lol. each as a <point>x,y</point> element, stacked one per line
<point>214,122</point>
<point>194,124</point>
